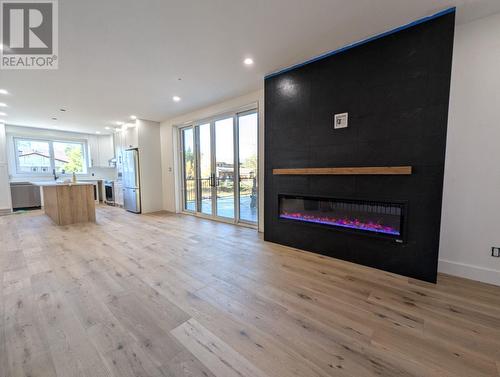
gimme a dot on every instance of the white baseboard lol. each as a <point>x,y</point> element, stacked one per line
<point>468,271</point>
<point>6,211</point>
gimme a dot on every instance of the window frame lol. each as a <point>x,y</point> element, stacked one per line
<point>50,142</point>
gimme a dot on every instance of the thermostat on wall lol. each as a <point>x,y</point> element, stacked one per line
<point>341,120</point>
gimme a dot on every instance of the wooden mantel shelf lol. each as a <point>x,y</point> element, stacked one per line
<point>379,170</point>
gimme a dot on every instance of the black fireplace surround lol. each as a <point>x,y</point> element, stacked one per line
<point>396,91</point>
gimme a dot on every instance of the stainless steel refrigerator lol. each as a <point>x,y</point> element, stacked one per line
<point>131,181</point>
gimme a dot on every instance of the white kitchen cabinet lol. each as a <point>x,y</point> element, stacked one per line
<point>126,138</point>
<point>118,191</point>
<point>106,150</point>
<point>118,139</point>
<point>101,150</point>
<point>150,165</point>
<point>93,151</point>
<point>131,137</point>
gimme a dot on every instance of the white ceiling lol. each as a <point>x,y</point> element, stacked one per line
<point>122,57</point>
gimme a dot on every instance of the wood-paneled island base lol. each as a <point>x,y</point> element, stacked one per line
<point>68,203</point>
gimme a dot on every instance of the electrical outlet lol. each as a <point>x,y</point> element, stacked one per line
<point>495,252</point>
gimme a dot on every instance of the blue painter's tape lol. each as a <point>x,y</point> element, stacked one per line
<point>364,41</point>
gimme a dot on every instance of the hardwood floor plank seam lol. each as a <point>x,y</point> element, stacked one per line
<point>173,295</point>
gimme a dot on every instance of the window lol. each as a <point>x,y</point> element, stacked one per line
<point>68,156</point>
<point>33,156</point>
<point>43,156</point>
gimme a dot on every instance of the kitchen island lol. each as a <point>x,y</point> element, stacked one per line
<point>68,203</point>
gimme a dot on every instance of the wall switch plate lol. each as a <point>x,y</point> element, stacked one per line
<point>495,252</point>
<point>341,120</point>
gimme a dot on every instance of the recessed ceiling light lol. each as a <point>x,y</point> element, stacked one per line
<point>248,61</point>
<point>107,128</point>
<point>3,114</point>
<point>133,117</point>
<point>3,104</point>
<point>4,91</point>
<point>176,98</point>
<point>54,118</point>
<point>119,123</point>
<point>98,132</point>
<point>62,110</point>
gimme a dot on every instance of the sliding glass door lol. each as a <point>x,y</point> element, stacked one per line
<point>219,165</point>
<point>247,158</point>
<point>224,167</point>
<point>188,170</point>
<point>205,181</point>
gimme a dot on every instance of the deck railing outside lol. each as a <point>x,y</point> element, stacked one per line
<point>225,195</point>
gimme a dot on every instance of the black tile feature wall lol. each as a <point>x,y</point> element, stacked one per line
<point>396,91</point>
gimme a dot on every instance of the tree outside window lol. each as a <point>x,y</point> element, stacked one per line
<point>69,157</point>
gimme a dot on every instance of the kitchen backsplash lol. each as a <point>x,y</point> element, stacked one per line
<point>92,173</point>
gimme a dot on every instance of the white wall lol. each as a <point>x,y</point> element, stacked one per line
<point>471,205</point>
<point>170,150</point>
<point>5,201</point>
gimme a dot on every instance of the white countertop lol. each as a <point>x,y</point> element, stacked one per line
<point>54,183</point>
<point>37,180</point>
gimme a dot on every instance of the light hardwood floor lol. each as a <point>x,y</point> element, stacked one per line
<point>173,295</point>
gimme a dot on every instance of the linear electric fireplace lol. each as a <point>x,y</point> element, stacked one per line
<point>384,219</point>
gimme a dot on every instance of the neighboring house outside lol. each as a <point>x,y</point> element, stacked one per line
<point>37,162</point>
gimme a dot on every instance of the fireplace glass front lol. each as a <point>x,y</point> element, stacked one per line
<point>370,217</point>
